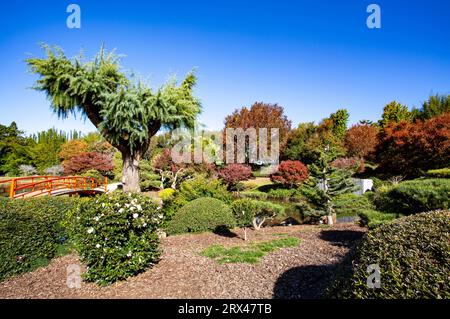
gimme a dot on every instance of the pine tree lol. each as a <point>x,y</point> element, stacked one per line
<point>329,183</point>
<point>127,114</point>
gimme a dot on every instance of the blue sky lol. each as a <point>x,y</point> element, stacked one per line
<point>311,57</point>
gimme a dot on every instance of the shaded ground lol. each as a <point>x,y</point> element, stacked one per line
<point>299,272</point>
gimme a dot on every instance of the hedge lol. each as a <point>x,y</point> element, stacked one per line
<point>372,218</point>
<point>415,196</point>
<point>413,254</point>
<point>31,232</point>
<point>351,204</point>
<point>200,215</point>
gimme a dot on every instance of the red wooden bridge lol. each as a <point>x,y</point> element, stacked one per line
<point>36,186</point>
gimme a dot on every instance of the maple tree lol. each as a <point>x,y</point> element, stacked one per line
<point>411,148</point>
<point>88,161</point>
<point>290,173</point>
<point>361,140</point>
<point>234,173</point>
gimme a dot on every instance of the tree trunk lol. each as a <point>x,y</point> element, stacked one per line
<point>130,174</point>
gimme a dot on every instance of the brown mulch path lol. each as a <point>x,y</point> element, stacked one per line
<point>298,272</point>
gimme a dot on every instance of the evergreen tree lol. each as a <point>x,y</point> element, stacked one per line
<point>127,114</point>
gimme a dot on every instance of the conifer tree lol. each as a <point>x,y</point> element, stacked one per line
<point>126,113</point>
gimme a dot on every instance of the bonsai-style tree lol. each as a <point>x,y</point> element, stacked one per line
<point>127,114</point>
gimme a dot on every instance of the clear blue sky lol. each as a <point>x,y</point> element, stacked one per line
<point>311,57</point>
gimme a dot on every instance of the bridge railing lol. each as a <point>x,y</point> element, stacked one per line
<point>33,186</point>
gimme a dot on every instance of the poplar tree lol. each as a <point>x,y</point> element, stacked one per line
<point>127,113</point>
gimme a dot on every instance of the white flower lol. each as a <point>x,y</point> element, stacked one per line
<point>144,224</point>
<point>161,216</point>
<point>132,208</point>
<point>158,208</point>
<point>129,254</point>
<point>97,246</point>
<point>121,210</point>
<point>135,215</point>
<point>117,205</point>
<point>129,194</point>
<point>127,205</point>
<point>96,218</point>
<point>139,207</point>
<point>90,230</point>
<point>103,204</point>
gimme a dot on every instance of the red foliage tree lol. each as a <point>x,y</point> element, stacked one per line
<point>88,161</point>
<point>234,173</point>
<point>361,140</point>
<point>410,148</point>
<point>290,173</point>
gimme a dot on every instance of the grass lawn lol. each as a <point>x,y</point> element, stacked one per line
<point>249,253</point>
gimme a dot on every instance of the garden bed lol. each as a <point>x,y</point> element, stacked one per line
<point>303,271</point>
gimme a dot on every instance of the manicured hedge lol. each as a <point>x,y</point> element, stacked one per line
<point>31,232</point>
<point>373,218</point>
<point>351,204</point>
<point>415,196</point>
<point>200,215</point>
<point>439,173</point>
<point>413,254</point>
<point>116,235</point>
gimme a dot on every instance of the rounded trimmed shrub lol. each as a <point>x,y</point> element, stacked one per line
<point>200,215</point>
<point>415,196</point>
<point>413,254</point>
<point>116,235</point>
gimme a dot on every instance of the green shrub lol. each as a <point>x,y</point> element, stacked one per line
<point>116,235</point>
<point>194,188</point>
<point>246,210</point>
<point>439,173</point>
<point>413,254</point>
<point>200,215</point>
<point>31,232</point>
<point>373,218</point>
<point>254,194</point>
<point>351,204</point>
<point>415,196</point>
<point>166,194</point>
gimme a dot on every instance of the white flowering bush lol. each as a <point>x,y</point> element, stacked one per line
<point>116,235</point>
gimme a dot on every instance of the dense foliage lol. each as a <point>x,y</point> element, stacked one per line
<point>290,173</point>
<point>200,215</point>
<point>250,212</point>
<point>116,235</point>
<point>413,148</point>
<point>31,232</point>
<point>361,140</point>
<point>413,254</point>
<point>233,173</point>
<point>415,196</point>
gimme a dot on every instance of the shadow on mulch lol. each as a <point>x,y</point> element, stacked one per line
<point>312,281</point>
<point>224,232</point>
<point>341,238</point>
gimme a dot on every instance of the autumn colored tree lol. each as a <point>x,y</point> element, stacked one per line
<point>72,148</point>
<point>394,112</point>
<point>88,161</point>
<point>234,173</point>
<point>290,173</point>
<point>126,113</point>
<point>407,148</point>
<point>361,140</point>
<point>261,115</point>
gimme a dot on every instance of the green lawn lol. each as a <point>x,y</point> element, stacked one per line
<point>249,253</point>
